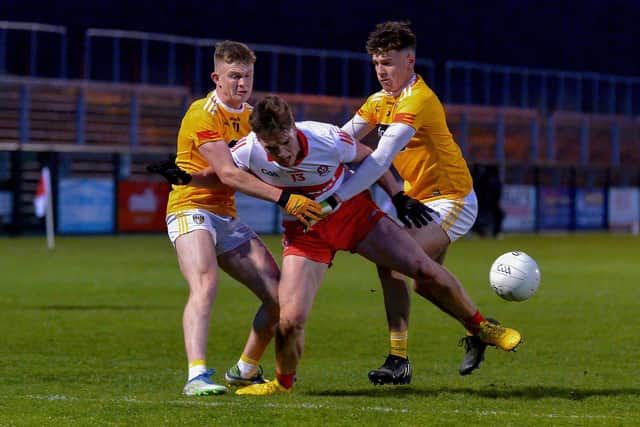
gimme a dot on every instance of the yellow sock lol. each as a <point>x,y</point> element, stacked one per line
<point>247,366</point>
<point>197,367</point>
<point>398,343</point>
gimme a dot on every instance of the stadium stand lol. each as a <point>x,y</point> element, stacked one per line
<point>60,112</point>
<point>543,127</point>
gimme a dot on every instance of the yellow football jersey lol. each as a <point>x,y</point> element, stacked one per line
<point>207,120</point>
<point>431,164</point>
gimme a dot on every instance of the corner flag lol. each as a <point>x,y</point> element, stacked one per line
<point>42,193</point>
<point>43,204</point>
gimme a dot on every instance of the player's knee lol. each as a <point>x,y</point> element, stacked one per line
<point>291,325</point>
<point>424,287</point>
<point>423,269</point>
<point>204,289</point>
<point>272,311</point>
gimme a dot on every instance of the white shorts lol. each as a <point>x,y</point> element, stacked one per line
<point>227,233</point>
<point>455,216</point>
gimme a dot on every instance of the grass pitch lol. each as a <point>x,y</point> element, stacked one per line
<point>90,334</point>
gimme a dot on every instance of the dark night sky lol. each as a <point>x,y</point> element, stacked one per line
<point>586,35</point>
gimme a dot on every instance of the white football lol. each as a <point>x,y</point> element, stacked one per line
<point>514,276</point>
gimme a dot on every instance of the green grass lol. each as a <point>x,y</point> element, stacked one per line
<point>90,334</point>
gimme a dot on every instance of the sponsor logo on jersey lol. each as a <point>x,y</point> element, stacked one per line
<point>268,172</point>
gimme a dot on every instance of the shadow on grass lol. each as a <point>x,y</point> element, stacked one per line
<point>56,307</point>
<point>527,393</point>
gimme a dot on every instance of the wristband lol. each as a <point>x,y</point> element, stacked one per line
<point>283,199</point>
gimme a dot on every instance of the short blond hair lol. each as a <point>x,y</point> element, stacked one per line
<point>229,52</point>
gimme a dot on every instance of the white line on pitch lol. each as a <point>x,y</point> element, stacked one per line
<point>222,403</point>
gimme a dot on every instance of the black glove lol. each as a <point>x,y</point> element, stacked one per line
<point>411,210</point>
<point>170,171</point>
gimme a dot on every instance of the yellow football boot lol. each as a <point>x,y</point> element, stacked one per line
<point>491,333</point>
<point>265,389</point>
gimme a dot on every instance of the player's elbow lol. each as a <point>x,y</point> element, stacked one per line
<point>383,160</point>
<point>230,176</point>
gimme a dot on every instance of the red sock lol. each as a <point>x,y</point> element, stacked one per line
<point>286,380</point>
<point>473,323</point>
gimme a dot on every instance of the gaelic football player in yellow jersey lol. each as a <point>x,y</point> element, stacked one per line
<point>414,136</point>
<point>202,222</point>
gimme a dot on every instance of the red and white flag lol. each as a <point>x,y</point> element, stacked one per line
<point>42,193</point>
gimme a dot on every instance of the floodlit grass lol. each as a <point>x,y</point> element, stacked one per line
<point>90,334</point>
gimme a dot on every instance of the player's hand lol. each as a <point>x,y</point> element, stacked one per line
<point>411,210</point>
<point>170,171</point>
<point>304,208</point>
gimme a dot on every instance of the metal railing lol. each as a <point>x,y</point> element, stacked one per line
<point>281,68</point>
<point>33,30</point>
<point>142,57</point>
<point>542,89</point>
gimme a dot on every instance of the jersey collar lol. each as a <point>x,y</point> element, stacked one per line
<point>411,81</point>
<point>304,147</point>
<point>218,101</point>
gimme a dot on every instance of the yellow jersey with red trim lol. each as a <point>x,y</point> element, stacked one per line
<point>207,120</point>
<point>431,164</point>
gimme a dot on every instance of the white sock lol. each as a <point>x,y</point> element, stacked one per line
<point>247,370</point>
<point>197,367</point>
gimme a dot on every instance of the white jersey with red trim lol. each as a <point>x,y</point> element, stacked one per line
<point>318,171</point>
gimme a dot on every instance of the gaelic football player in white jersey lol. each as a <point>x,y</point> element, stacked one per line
<point>309,157</point>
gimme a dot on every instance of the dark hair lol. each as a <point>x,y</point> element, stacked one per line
<point>270,116</point>
<point>229,51</point>
<point>391,35</point>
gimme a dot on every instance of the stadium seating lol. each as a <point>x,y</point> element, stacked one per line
<point>68,112</point>
<point>88,113</point>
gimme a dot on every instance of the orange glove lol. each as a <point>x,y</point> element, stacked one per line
<point>305,209</point>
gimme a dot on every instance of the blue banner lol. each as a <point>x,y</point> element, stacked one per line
<point>519,205</point>
<point>555,208</point>
<point>86,205</point>
<point>589,208</point>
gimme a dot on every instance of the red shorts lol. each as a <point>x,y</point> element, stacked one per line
<point>342,230</point>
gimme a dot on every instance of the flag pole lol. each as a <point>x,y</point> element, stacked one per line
<point>51,243</point>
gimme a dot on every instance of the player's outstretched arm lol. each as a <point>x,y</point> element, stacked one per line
<point>358,127</point>
<point>395,138</point>
<point>220,160</point>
